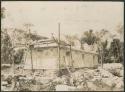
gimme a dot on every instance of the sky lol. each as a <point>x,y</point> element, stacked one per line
<point>74,17</point>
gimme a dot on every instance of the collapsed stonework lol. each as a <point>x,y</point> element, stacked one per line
<point>85,79</point>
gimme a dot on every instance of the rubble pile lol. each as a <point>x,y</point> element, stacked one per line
<point>79,80</point>
<point>6,82</point>
<point>115,68</point>
<point>96,79</point>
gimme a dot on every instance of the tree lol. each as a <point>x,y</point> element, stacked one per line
<point>103,50</point>
<point>6,44</point>
<point>2,12</point>
<point>98,38</point>
<point>115,50</point>
<point>120,31</point>
<point>70,39</point>
<point>89,37</point>
<point>112,54</point>
<point>21,38</point>
<point>6,48</point>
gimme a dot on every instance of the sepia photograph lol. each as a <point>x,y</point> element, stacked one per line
<point>62,46</point>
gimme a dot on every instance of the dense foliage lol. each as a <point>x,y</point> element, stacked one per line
<point>6,48</point>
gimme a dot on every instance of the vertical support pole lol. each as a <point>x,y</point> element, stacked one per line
<point>31,58</point>
<point>59,43</point>
<point>71,56</point>
<point>102,58</point>
<point>93,61</point>
<point>13,57</point>
<point>31,51</point>
<point>13,68</point>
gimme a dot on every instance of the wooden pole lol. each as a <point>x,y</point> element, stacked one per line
<point>31,50</point>
<point>31,58</point>
<point>13,65</point>
<point>101,57</point>
<point>13,70</point>
<point>71,56</point>
<point>59,43</point>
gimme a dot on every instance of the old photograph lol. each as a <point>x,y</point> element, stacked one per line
<point>62,46</point>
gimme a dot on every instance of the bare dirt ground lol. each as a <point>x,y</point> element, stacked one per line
<point>108,78</point>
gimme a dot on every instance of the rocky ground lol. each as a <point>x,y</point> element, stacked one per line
<point>108,78</point>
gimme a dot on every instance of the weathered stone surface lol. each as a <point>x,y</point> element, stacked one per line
<point>5,65</point>
<point>91,86</point>
<point>113,66</point>
<point>120,85</point>
<point>58,80</point>
<point>3,88</point>
<point>65,88</point>
<point>107,81</point>
<point>121,73</point>
<point>105,74</point>
<point>4,83</point>
<point>44,80</point>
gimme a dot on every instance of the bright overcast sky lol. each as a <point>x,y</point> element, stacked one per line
<point>75,17</point>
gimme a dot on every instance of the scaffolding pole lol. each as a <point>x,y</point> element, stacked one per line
<point>59,44</point>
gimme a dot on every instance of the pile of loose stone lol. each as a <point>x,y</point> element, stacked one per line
<point>106,78</point>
